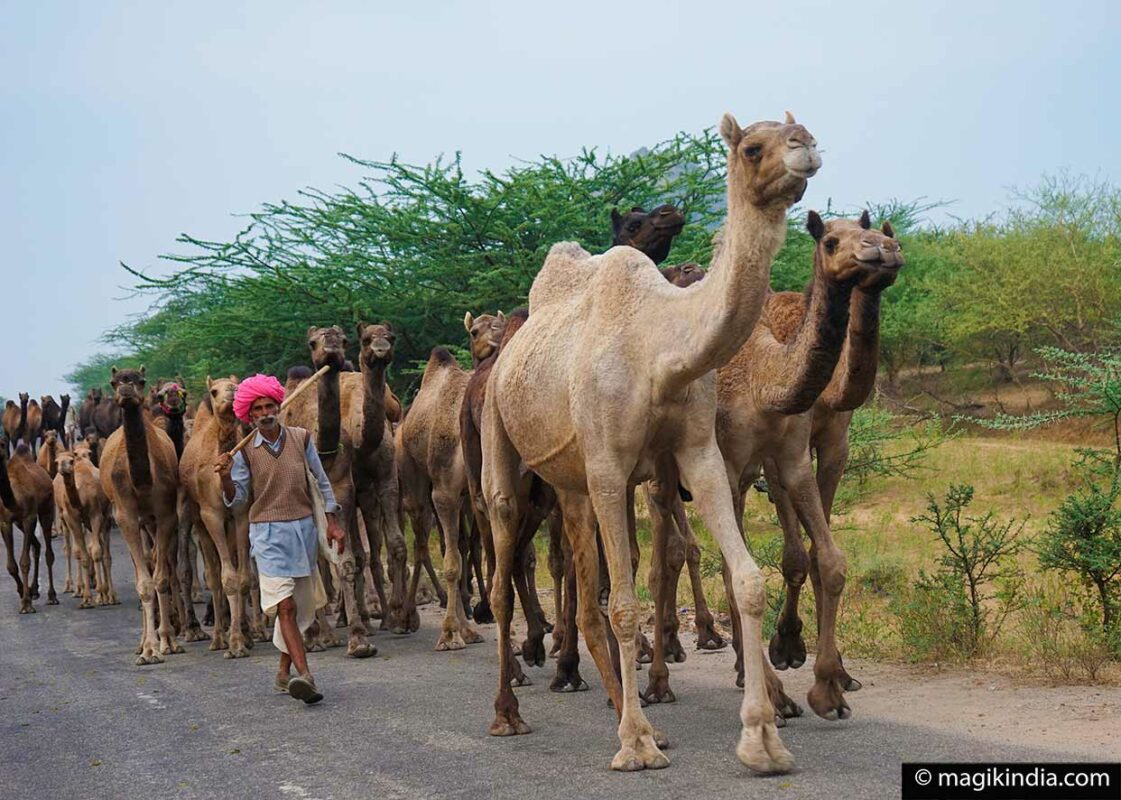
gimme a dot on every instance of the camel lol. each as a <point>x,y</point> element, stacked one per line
<point>322,417</point>
<point>851,384</point>
<point>85,411</point>
<point>225,545</point>
<point>369,408</point>
<point>106,416</point>
<point>140,475</point>
<point>33,426</point>
<point>592,421</point>
<point>652,233</point>
<point>12,419</point>
<point>49,451</point>
<point>168,404</point>
<point>29,489</point>
<point>85,518</point>
<point>764,397</point>
<point>432,473</point>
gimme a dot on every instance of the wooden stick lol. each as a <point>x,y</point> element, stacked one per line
<point>295,393</point>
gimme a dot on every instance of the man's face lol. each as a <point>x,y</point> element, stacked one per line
<point>263,413</point>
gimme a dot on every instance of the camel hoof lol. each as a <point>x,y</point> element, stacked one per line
<point>172,648</point>
<point>196,634</point>
<point>762,751</point>
<point>568,681</point>
<point>787,649</point>
<point>35,593</point>
<point>314,647</point>
<point>144,661</point>
<point>450,641</point>
<point>509,725</point>
<point>28,609</point>
<point>644,754</point>
<point>827,702</point>
<point>236,651</point>
<point>520,679</point>
<point>361,650</point>
<point>86,604</point>
<point>659,695</point>
<point>52,598</point>
<point>709,639</point>
<point>533,652</point>
<point>675,653</point>
<point>483,614</point>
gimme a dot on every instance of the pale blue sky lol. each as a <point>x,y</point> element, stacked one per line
<point>125,124</point>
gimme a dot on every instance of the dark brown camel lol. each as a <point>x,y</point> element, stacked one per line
<point>652,232</point>
<point>32,495</point>
<point>85,411</point>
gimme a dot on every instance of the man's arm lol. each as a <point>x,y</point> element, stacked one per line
<point>316,467</point>
<point>234,473</point>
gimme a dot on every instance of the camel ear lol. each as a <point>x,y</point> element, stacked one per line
<point>386,325</point>
<point>233,377</point>
<point>113,371</point>
<point>501,317</point>
<point>468,321</point>
<point>865,220</point>
<point>616,219</point>
<point>730,130</point>
<point>790,118</point>
<point>815,225</point>
<point>888,231</point>
<point>141,370</point>
<point>310,330</point>
<point>208,383</point>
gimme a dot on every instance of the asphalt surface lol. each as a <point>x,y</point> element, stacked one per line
<point>79,720</point>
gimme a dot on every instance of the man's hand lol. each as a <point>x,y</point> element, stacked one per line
<point>223,464</point>
<point>335,534</point>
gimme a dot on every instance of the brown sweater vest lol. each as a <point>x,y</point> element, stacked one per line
<point>280,491</point>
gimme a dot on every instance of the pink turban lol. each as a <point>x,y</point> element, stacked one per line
<point>252,388</point>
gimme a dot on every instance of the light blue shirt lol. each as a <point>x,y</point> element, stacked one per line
<point>282,549</point>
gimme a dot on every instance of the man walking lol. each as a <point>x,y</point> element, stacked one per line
<point>282,532</point>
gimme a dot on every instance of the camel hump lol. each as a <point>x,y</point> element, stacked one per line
<point>784,312</point>
<point>22,449</point>
<point>442,357</point>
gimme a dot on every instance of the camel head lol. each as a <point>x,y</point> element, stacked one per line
<point>327,346</point>
<point>50,438</point>
<point>84,449</point>
<point>23,398</point>
<point>485,332</point>
<point>66,460</point>
<point>128,386</point>
<point>852,250</point>
<point>94,395</point>
<point>220,395</point>
<point>171,397</point>
<point>769,162</point>
<point>652,233</point>
<point>682,275</point>
<point>375,344</point>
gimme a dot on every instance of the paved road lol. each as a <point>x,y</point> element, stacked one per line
<point>78,720</point>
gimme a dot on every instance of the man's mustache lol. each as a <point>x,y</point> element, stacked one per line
<point>266,422</point>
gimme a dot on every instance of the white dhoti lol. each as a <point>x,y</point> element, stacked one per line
<point>308,594</point>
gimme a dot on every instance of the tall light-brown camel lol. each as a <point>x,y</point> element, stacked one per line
<point>225,543</point>
<point>321,416</point>
<point>613,372</point>
<point>12,419</point>
<point>33,504</point>
<point>431,469</point>
<point>85,518</point>
<point>368,406</point>
<point>140,475</point>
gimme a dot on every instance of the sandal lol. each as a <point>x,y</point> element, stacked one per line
<point>303,689</point>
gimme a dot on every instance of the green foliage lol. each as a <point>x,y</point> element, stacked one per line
<point>1083,537</point>
<point>976,566</point>
<point>883,445</point>
<point>1047,273</point>
<point>417,246</point>
<point>1055,632</point>
<point>934,620</point>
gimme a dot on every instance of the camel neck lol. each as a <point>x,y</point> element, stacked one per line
<point>227,431</point>
<point>855,376</point>
<point>136,446</point>
<point>722,310</point>
<point>7,496</point>
<point>71,485</point>
<point>52,464</point>
<point>787,378</point>
<point>373,406</point>
<point>330,414</point>
<point>21,431</point>
<point>176,430</point>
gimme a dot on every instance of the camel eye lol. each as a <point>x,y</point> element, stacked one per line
<point>634,226</point>
<point>753,151</point>
<point>830,245</point>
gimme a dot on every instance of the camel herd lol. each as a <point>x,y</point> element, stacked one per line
<point>692,383</point>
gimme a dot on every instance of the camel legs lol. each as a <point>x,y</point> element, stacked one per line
<point>13,570</point>
<point>533,648</point>
<point>73,577</point>
<point>165,542</point>
<point>702,468</point>
<point>46,522</point>
<point>455,633</point>
<point>351,567</point>
<point>609,495</point>
<point>379,510</point>
<point>185,574</point>
<point>787,647</point>
<point>30,590</point>
<point>707,637</point>
<point>75,537</point>
<point>568,677</point>
<point>145,587</point>
<point>107,561</point>
<point>659,494</point>
<point>557,569</point>
<point>227,576</point>
<point>827,572</point>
